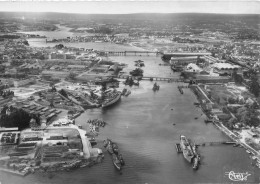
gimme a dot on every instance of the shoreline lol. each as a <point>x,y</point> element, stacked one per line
<point>229,133</point>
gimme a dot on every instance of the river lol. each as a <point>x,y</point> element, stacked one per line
<point>142,125</point>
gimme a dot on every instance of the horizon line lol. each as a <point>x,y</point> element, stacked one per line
<point>78,13</point>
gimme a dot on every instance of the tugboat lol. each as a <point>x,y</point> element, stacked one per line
<point>139,63</point>
<point>195,165</point>
<point>196,159</point>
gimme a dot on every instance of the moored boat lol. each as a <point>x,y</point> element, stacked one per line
<point>186,149</point>
<point>116,162</point>
<point>111,99</point>
<point>156,87</point>
<point>108,145</point>
<point>120,157</point>
<point>115,148</point>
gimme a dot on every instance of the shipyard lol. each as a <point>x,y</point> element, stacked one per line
<point>103,101</point>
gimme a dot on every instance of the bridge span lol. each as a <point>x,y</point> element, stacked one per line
<point>152,78</point>
<point>125,53</point>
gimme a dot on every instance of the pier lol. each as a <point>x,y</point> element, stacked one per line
<point>15,172</point>
<point>216,143</point>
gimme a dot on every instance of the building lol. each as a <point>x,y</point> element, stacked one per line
<point>225,68</point>
<point>56,74</point>
<point>57,56</point>
<point>183,60</point>
<point>168,56</point>
<point>23,82</point>
<point>210,59</point>
<point>77,67</point>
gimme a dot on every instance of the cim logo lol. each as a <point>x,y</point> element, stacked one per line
<point>238,176</point>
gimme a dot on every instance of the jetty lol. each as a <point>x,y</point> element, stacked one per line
<point>15,172</point>
<point>216,143</point>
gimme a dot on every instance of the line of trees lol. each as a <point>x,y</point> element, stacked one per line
<point>15,117</point>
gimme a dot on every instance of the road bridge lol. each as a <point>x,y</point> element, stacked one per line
<point>125,53</point>
<point>152,78</point>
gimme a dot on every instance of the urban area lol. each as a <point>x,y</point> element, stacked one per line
<point>58,72</point>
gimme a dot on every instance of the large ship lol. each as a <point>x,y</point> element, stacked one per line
<point>111,98</point>
<point>186,149</point>
<point>189,152</point>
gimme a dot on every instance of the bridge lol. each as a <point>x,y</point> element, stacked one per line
<point>151,78</point>
<point>124,53</point>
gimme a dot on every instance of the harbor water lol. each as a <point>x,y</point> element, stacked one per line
<point>146,125</point>
<point>142,125</point>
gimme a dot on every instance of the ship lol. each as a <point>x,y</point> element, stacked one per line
<point>186,149</point>
<point>111,98</point>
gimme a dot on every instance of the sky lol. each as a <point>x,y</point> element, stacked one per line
<point>134,6</point>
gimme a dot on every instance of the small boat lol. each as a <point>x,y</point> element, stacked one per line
<point>124,91</point>
<point>136,83</point>
<point>116,162</point>
<point>128,93</point>
<point>156,87</point>
<point>208,120</point>
<point>115,148</point>
<point>120,157</point>
<point>110,148</point>
<point>106,142</point>
<point>195,165</point>
<point>236,145</point>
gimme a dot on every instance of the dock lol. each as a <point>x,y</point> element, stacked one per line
<point>14,172</point>
<point>216,143</point>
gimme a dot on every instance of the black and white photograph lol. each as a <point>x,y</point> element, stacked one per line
<point>129,92</point>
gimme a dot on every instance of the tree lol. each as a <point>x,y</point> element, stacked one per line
<point>59,46</point>
<point>25,42</point>
<point>72,75</point>
<point>14,118</point>
<point>237,78</point>
<point>230,123</point>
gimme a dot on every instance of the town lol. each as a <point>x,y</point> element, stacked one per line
<point>47,83</point>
